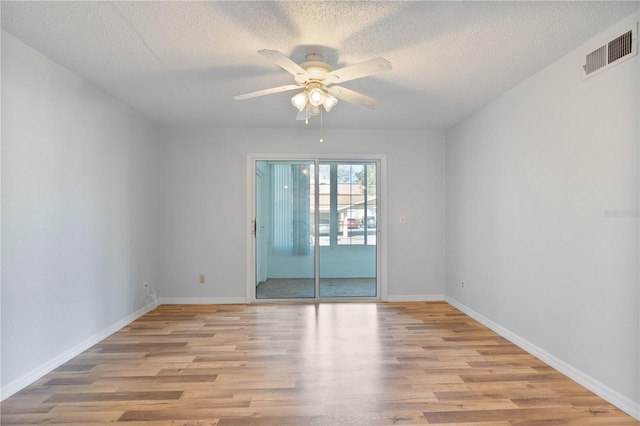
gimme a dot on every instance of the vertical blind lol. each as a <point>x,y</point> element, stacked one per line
<point>291,207</point>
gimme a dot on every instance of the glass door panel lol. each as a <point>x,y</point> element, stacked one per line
<point>285,225</point>
<point>348,203</point>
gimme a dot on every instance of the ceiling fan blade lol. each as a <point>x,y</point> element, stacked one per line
<point>363,69</point>
<point>266,92</point>
<point>353,97</point>
<point>285,63</point>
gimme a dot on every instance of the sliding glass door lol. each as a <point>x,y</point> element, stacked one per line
<point>316,226</point>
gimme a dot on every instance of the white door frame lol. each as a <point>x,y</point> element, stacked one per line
<point>381,193</point>
<point>259,234</point>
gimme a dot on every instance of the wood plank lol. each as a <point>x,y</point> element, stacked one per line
<point>112,396</point>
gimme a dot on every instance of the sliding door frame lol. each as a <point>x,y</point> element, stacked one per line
<point>381,225</point>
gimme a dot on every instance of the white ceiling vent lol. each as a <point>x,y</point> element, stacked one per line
<point>611,53</point>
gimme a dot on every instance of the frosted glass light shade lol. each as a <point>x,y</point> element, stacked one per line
<point>329,102</point>
<point>316,96</point>
<point>300,100</point>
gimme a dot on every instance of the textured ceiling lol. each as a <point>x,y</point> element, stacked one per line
<point>181,63</point>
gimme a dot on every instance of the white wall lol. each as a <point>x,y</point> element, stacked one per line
<point>79,208</point>
<point>204,207</point>
<point>530,180</point>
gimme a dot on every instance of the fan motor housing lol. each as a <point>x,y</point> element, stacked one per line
<point>316,69</point>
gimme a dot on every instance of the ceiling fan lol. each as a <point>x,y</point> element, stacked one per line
<point>318,82</point>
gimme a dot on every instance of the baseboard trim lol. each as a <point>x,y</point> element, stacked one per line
<point>203,301</point>
<point>35,374</point>
<point>622,402</point>
<point>417,298</point>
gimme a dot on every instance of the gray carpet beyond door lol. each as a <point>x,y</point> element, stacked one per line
<point>298,288</point>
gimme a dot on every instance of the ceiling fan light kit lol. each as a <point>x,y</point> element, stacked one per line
<point>317,79</point>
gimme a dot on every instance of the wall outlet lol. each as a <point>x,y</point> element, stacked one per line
<point>202,279</point>
<point>462,284</point>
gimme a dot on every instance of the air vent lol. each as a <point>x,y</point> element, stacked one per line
<point>611,53</point>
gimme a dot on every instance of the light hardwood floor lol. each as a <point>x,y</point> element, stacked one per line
<point>308,364</point>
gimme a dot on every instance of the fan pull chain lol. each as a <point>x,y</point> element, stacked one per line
<point>321,140</point>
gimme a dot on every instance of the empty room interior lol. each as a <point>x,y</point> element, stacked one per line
<point>268,213</point>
